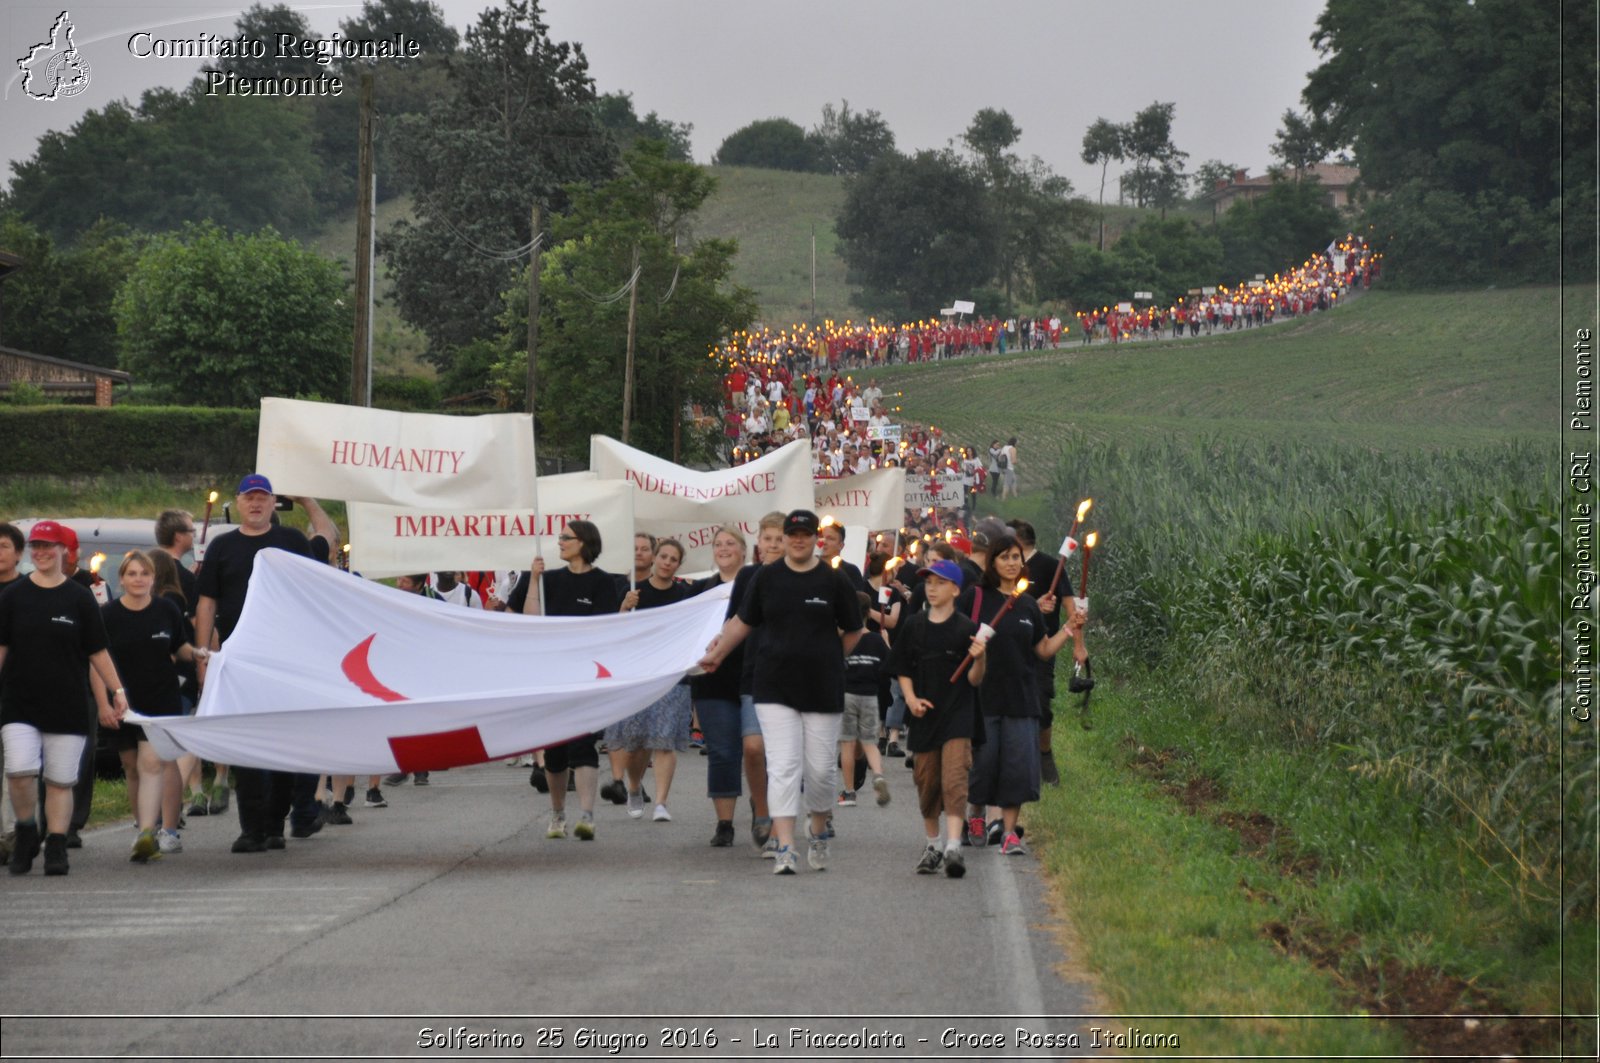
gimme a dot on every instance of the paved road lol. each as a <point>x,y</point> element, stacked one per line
<point>450,903</point>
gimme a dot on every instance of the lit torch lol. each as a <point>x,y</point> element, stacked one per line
<point>986,630</point>
<point>1069,545</point>
<point>205,528</point>
<point>102,594</point>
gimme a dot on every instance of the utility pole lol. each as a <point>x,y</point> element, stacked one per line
<point>813,270</point>
<point>627,369</point>
<point>533,320</point>
<point>361,351</point>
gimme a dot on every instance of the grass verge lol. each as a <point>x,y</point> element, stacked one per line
<point>1206,879</point>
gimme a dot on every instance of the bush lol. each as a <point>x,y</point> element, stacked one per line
<point>86,440</point>
<point>405,393</point>
<point>26,393</point>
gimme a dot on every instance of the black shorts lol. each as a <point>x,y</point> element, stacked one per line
<point>1047,697</point>
<point>578,753</point>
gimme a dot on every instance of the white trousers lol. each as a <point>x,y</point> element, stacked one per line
<point>799,740</point>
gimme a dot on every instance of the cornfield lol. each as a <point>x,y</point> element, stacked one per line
<point>1402,610</point>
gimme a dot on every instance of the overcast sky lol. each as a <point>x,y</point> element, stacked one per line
<point>1231,66</point>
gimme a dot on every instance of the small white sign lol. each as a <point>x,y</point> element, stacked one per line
<point>1144,295</point>
<point>963,307</point>
<point>1125,308</point>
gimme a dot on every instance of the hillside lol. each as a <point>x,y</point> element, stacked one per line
<point>772,214</point>
<point>1390,370</point>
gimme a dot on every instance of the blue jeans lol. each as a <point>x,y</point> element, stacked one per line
<point>895,719</point>
<point>720,722</point>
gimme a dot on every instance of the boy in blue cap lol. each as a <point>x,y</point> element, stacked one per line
<point>943,718</point>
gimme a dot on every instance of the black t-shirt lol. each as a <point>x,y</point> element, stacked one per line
<point>225,576</point>
<point>1040,570</point>
<point>801,664</point>
<point>857,580</point>
<point>929,654</point>
<point>568,593</point>
<point>723,684</point>
<point>1010,686</point>
<point>652,597</point>
<point>49,635</point>
<point>863,666</point>
<point>189,584</point>
<point>142,643</point>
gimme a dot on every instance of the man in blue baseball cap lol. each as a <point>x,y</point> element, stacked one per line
<point>264,797</point>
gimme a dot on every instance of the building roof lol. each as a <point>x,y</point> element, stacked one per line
<point>83,367</point>
<point>1330,174</point>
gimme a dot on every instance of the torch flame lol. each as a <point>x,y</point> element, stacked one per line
<point>1022,585</point>
<point>892,562</point>
<point>837,560</point>
<point>95,562</point>
<point>1090,539</point>
<point>827,522</point>
<point>212,498</point>
<point>1083,508</point>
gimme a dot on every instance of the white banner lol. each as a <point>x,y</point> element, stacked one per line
<point>324,450</point>
<point>330,673</point>
<point>919,496</point>
<point>393,541</point>
<point>780,480</point>
<point>870,499</point>
<point>889,433</point>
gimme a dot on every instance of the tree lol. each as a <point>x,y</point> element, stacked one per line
<point>1298,144</point>
<point>616,113</point>
<point>686,305</point>
<point>1209,173</point>
<point>1157,178</point>
<point>242,162</point>
<point>1103,144</point>
<point>1458,107</point>
<point>517,128</point>
<point>916,231</point>
<point>420,20</point>
<point>845,142</point>
<point>772,143</point>
<point>223,320</point>
<point>262,23</point>
<point>1168,257</point>
<point>59,302</point>
<point>1277,229</point>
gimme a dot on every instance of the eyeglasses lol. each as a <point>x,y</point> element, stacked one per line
<point>186,531</point>
<point>566,538</point>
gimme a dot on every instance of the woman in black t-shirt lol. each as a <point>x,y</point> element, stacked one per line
<point>1005,769</point>
<point>146,634</point>
<point>807,609</point>
<point>51,638</point>
<point>578,589</point>
<point>655,735</point>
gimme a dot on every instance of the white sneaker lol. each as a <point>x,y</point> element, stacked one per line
<point>880,786</point>
<point>817,853</point>
<point>662,815</point>
<point>635,804</point>
<point>770,849</point>
<point>784,860</point>
<point>168,841</point>
<point>556,825</point>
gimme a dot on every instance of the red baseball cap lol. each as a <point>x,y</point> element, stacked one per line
<point>48,531</point>
<point>962,543</point>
